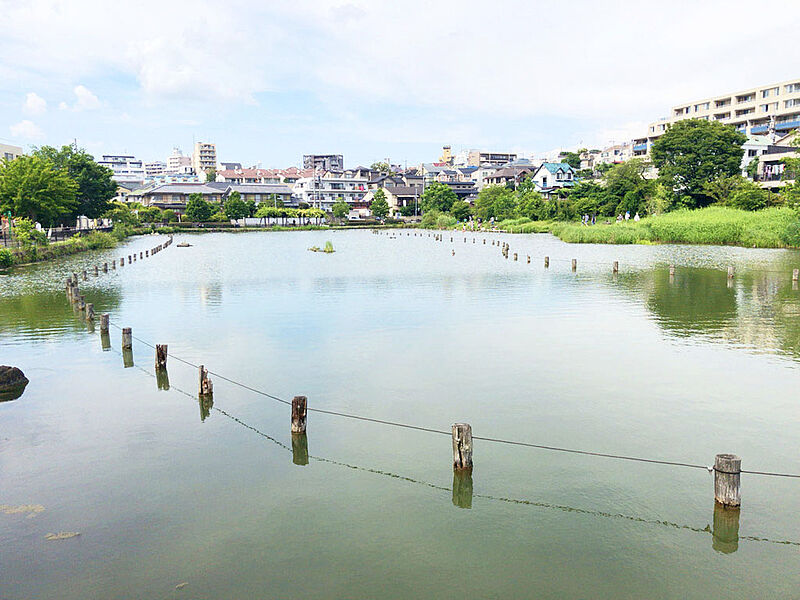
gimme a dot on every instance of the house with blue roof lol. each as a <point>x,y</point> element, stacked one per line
<point>551,176</point>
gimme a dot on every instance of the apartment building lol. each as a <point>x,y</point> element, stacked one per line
<point>155,169</point>
<point>204,158</point>
<point>325,190</point>
<point>767,109</point>
<point>127,168</point>
<point>324,162</point>
<point>178,163</point>
<point>9,152</point>
<point>476,158</point>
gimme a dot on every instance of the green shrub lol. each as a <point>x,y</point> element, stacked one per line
<point>6,258</point>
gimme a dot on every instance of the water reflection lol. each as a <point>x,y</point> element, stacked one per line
<point>105,341</point>
<point>162,379</point>
<point>127,357</point>
<point>725,532</point>
<point>462,488</point>
<point>300,449</point>
<point>206,402</point>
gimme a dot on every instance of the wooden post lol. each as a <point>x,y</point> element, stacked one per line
<point>462,488</point>
<point>727,479</point>
<point>96,271</point>
<point>484,242</point>
<point>162,379</point>
<point>75,278</point>
<point>90,312</point>
<point>795,274</point>
<point>546,262</point>
<point>122,262</point>
<point>85,277</point>
<point>105,267</point>
<point>615,267</point>
<point>127,338</point>
<point>104,323</point>
<point>129,259</point>
<point>515,256</point>
<point>141,255</point>
<point>672,270</point>
<point>299,410</point>
<point>730,272</point>
<point>114,265</point>
<point>161,356</point>
<point>147,253</point>
<point>300,449</point>
<point>529,259</point>
<point>454,253</point>
<point>574,264</point>
<point>206,386</point>
<point>462,446</point>
<point>81,302</point>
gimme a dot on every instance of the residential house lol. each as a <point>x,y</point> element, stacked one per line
<point>552,176</point>
<point>261,192</point>
<point>323,191</point>
<point>174,196</point>
<point>507,175</point>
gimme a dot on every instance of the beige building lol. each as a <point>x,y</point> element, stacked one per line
<point>204,158</point>
<point>767,109</point>
<point>9,152</point>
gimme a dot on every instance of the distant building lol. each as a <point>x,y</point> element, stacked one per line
<point>261,192</point>
<point>477,158</point>
<point>126,168</point>
<point>447,155</point>
<point>507,175</point>
<point>204,158</point>
<point>174,196</point>
<point>10,152</point>
<point>324,162</point>
<point>178,163</point>
<point>155,169</point>
<point>614,155</point>
<point>229,166</point>
<point>323,191</point>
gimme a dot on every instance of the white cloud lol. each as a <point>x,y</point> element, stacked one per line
<point>85,99</point>
<point>63,106</point>
<point>34,104</point>
<point>27,130</point>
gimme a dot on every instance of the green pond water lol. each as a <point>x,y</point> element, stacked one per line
<point>166,490</point>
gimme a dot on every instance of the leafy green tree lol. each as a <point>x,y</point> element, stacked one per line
<point>693,152</point>
<point>169,215</point>
<point>379,205</point>
<point>340,209</point>
<point>122,212</point>
<point>150,215</point>
<point>495,201</point>
<point>211,174</point>
<point>96,187</point>
<point>31,186</point>
<point>626,188</point>
<point>752,169</point>
<point>235,207</point>
<point>573,159</point>
<point>531,205</point>
<point>439,197</point>
<point>748,196</point>
<point>461,210</point>
<point>720,189</point>
<point>382,167</point>
<point>251,207</point>
<point>198,209</point>
<point>26,233</point>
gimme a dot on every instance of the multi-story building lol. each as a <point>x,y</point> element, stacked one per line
<point>127,168</point>
<point>155,169</point>
<point>178,163</point>
<point>323,191</point>
<point>477,158</point>
<point>324,162</point>
<point>767,109</point>
<point>614,154</point>
<point>204,158</point>
<point>447,155</point>
<point>552,176</point>
<point>9,152</point>
<point>174,196</point>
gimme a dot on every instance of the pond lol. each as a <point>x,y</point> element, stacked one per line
<point>173,497</point>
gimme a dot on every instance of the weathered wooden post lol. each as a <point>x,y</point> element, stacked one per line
<point>162,379</point>
<point>85,276</point>
<point>529,259</point>
<point>730,272</point>
<point>147,253</point>
<point>104,323</point>
<point>127,338</point>
<point>81,302</point>
<point>795,274</point>
<point>462,446</point>
<point>75,278</point>
<point>141,255</point>
<point>672,270</point>
<point>134,257</point>
<point>130,258</point>
<point>484,241</point>
<point>574,264</point>
<point>114,265</point>
<point>90,312</point>
<point>206,385</point>
<point>96,271</point>
<point>454,253</point>
<point>727,479</point>
<point>546,262</point>
<point>515,256</point>
<point>462,488</point>
<point>615,267</point>
<point>300,449</point>
<point>105,267</point>
<point>161,356</point>
<point>725,532</point>
<point>299,410</point>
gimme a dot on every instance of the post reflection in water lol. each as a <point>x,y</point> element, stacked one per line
<point>725,533</point>
<point>105,341</point>
<point>127,357</point>
<point>206,403</point>
<point>462,488</point>
<point>162,379</point>
<point>300,449</point>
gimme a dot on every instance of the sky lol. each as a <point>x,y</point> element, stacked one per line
<point>270,81</point>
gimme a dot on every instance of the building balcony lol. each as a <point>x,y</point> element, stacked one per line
<point>786,125</point>
<point>759,129</point>
<point>640,148</point>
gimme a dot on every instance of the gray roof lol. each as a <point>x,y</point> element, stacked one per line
<point>404,190</point>
<point>259,188</point>
<point>184,188</point>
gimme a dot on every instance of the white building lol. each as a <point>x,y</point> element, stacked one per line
<point>323,191</point>
<point>127,168</point>
<point>178,163</point>
<point>9,152</point>
<point>204,158</point>
<point>155,168</point>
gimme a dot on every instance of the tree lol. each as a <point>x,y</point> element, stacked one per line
<point>626,188</point>
<point>752,169</point>
<point>495,201</point>
<point>573,159</point>
<point>198,209</point>
<point>379,205</point>
<point>96,186</point>
<point>693,152</point>
<point>235,207</point>
<point>340,209</point>
<point>382,167</point>
<point>211,174</point>
<point>438,196</point>
<point>748,196</point>
<point>720,189</point>
<point>31,186</point>
<point>461,210</point>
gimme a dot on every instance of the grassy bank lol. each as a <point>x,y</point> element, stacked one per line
<point>769,228</point>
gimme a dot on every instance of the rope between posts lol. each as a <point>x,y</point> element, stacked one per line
<point>443,432</point>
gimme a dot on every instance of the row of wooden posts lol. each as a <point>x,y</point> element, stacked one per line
<point>504,249</point>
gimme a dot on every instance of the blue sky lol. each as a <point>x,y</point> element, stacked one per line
<point>270,81</point>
